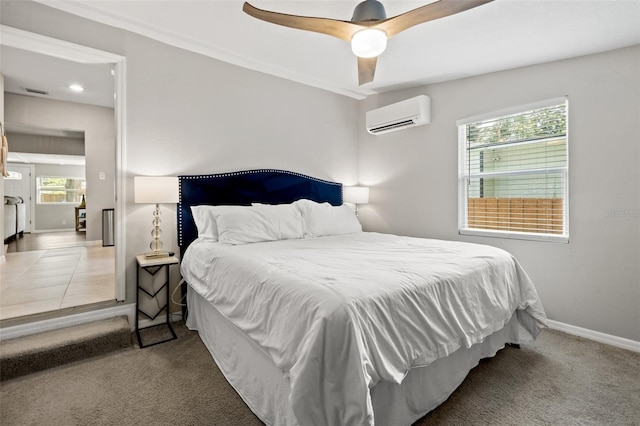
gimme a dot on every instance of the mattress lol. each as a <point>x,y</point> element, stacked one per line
<point>337,316</point>
<point>266,390</point>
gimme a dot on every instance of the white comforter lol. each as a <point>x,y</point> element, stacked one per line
<point>338,314</point>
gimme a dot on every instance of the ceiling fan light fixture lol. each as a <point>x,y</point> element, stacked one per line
<point>369,43</point>
<point>369,28</point>
<point>369,10</point>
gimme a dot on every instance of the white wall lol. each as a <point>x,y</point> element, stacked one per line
<point>592,282</point>
<point>98,126</point>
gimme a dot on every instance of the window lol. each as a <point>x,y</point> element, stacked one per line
<point>60,190</point>
<point>13,175</point>
<point>514,173</point>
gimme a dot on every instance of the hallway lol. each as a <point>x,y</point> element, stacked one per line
<point>59,270</point>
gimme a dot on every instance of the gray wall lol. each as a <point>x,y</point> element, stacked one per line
<point>594,281</point>
<point>189,114</point>
<point>43,144</point>
<point>50,217</point>
<point>98,126</point>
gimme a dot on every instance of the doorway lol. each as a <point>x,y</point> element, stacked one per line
<point>42,45</point>
<point>50,266</point>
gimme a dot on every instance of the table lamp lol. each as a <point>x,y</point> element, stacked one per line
<point>355,195</point>
<point>156,190</point>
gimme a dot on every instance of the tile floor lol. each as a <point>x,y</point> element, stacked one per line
<point>39,281</point>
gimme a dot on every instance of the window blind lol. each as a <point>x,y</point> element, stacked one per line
<point>514,173</point>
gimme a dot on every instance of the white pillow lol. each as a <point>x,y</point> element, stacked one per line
<point>253,224</point>
<point>322,219</point>
<point>205,222</point>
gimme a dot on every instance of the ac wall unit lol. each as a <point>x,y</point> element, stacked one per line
<point>401,115</point>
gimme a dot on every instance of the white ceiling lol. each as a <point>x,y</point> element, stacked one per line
<point>500,35</point>
<point>28,70</point>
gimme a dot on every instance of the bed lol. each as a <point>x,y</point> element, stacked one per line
<point>14,217</point>
<point>323,324</point>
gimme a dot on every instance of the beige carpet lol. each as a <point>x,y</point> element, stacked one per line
<point>561,380</point>
<point>42,351</point>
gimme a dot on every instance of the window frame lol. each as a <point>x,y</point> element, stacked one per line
<point>464,176</point>
<point>58,203</point>
<point>13,175</point>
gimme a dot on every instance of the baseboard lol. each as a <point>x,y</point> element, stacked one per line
<point>161,319</point>
<point>45,231</point>
<point>69,320</point>
<point>608,339</point>
<point>129,311</point>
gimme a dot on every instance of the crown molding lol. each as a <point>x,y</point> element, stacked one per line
<point>19,39</point>
<point>91,11</point>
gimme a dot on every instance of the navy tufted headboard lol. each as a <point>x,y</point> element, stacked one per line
<point>245,187</point>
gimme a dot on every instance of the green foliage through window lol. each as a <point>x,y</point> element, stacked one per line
<point>514,172</point>
<point>60,190</point>
<point>541,123</point>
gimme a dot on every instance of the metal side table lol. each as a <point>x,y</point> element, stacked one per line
<point>153,293</point>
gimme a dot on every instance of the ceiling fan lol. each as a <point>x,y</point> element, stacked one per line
<point>369,28</point>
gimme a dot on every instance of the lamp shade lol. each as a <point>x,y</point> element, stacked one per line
<point>155,189</point>
<point>355,194</point>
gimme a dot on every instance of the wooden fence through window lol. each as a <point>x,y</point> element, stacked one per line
<point>541,215</point>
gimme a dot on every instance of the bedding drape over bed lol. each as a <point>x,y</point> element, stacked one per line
<point>338,314</point>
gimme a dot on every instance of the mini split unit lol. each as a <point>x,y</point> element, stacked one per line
<point>401,115</point>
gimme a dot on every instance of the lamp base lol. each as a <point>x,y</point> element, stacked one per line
<point>158,254</point>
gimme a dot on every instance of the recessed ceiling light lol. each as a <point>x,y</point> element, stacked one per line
<point>76,88</point>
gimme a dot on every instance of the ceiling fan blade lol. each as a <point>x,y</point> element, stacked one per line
<point>366,69</point>
<point>343,30</point>
<point>430,12</point>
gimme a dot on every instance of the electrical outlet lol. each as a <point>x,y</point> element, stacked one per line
<point>64,222</point>
<point>102,175</point>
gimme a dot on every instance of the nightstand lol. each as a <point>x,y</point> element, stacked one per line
<point>153,293</point>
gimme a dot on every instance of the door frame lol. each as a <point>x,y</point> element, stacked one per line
<point>25,40</point>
